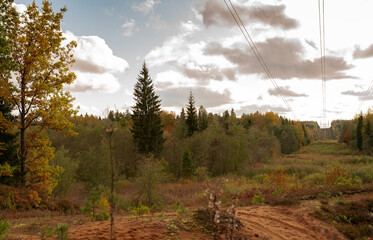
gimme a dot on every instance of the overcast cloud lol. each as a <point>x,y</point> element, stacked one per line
<point>286,92</point>
<point>216,13</point>
<point>95,65</point>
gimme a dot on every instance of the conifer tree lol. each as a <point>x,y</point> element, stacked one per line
<point>191,120</point>
<point>147,129</point>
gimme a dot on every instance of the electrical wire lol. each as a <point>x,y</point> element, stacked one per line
<point>257,54</point>
<point>322,55</point>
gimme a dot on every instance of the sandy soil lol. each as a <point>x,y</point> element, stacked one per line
<point>260,222</point>
<point>268,222</point>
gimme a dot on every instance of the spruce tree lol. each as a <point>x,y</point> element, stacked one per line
<point>147,129</point>
<point>191,120</point>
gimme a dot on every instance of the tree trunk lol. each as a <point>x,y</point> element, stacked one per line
<point>23,132</point>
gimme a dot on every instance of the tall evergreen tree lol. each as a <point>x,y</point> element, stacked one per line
<point>359,132</point>
<point>191,120</point>
<point>147,129</point>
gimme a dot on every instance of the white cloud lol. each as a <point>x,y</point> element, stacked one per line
<point>172,79</point>
<point>145,7</point>
<point>186,53</point>
<point>189,27</point>
<point>129,28</point>
<point>93,55</point>
<point>96,65</point>
<point>19,7</point>
<point>104,82</point>
<point>83,109</point>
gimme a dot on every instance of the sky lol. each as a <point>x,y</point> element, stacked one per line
<point>195,45</point>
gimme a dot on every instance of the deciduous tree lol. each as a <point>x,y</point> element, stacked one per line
<point>36,90</point>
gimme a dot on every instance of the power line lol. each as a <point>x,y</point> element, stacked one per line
<point>364,98</point>
<point>322,54</point>
<point>257,54</point>
<point>285,35</point>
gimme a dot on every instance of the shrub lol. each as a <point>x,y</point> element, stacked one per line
<point>201,174</point>
<point>98,205</point>
<point>336,175</point>
<point>67,178</point>
<point>61,231</point>
<point>140,210</point>
<point>259,178</point>
<point>47,232</point>
<point>315,179</point>
<point>4,228</point>
<point>277,180</point>
<point>258,199</point>
<point>365,173</point>
<point>187,167</point>
<point>152,173</point>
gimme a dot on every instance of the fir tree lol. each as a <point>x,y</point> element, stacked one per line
<point>191,120</point>
<point>147,129</point>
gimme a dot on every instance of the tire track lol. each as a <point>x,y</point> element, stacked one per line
<point>280,223</point>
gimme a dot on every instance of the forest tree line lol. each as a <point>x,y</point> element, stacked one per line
<point>358,132</point>
<point>45,146</point>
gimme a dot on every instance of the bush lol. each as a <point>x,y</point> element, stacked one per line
<point>365,173</point>
<point>259,178</point>
<point>315,179</point>
<point>152,173</point>
<point>4,228</point>
<point>140,210</point>
<point>277,180</point>
<point>98,205</point>
<point>67,177</point>
<point>258,199</point>
<point>61,231</point>
<point>186,166</point>
<point>201,174</point>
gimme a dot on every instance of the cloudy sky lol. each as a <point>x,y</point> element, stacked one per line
<point>195,45</point>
